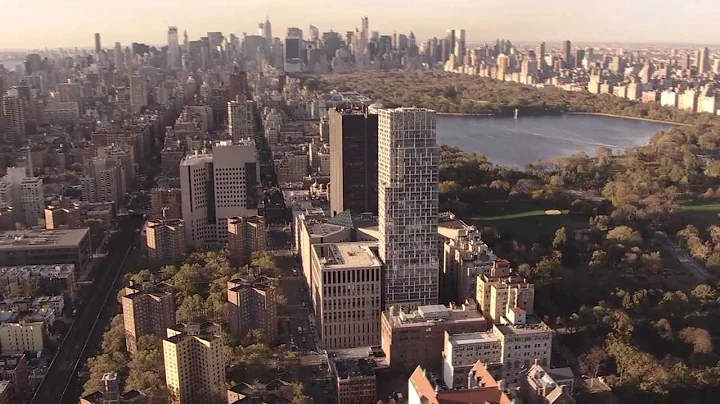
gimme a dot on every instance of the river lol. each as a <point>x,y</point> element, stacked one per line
<point>510,142</point>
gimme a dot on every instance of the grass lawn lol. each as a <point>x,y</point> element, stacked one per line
<point>528,226</point>
<point>700,213</point>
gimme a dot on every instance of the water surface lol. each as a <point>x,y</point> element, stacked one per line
<point>510,142</point>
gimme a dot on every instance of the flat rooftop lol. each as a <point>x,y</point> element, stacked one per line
<point>320,227</point>
<point>347,255</point>
<point>41,239</point>
<point>432,315</point>
<point>473,338</point>
<point>532,325</point>
<point>350,368</point>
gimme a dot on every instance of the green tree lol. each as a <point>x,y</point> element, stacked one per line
<point>191,310</point>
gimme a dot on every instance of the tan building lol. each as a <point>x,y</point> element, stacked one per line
<point>194,364</point>
<point>346,293</point>
<point>524,339</point>
<point>19,336</point>
<point>165,203</point>
<point>246,235</point>
<point>510,293</point>
<point>416,338</point>
<point>688,101</point>
<point>500,269</point>
<point>465,257</point>
<point>165,241</point>
<point>462,351</point>
<point>252,304</point>
<point>58,218</point>
<point>146,310</point>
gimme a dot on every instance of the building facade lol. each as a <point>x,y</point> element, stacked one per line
<point>246,235</point>
<point>240,119</point>
<point>252,304</point>
<point>346,291</point>
<point>353,161</point>
<point>165,241</point>
<point>408,205</point>
<point>146,311</point>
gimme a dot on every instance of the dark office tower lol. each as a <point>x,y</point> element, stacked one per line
<point>703,60</point>
<point>353,161</point>
<point>579,56</point>
<point>540,54</point>
<point>238,85</point>
<point>451,37</point>
<point>98,46</point>
<point>567,55</point>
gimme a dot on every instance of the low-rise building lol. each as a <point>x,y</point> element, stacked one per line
<point>355,380</point>
<point>416,337</point>
<point>22,304</point>
<point>53,279</point>
<point>14,368</point>
<point>45,247</point>
<point>18,335</point>
<point>111,393</point>
<point>540,385</point>
<point>277,391</point>
<point>481,387</point>
<point>462,351</point>
<point>524,339</point>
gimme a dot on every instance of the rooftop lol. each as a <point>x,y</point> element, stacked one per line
<point>351,368</point>
<point>347,255</point>
<point>259,283</point>
<point>473,338</point>
<point>41,239</point>
<point>432,390</point>
<point>435,314</point>
<point>48,271</point>
<point>532,325</point>
<point>354,220</point>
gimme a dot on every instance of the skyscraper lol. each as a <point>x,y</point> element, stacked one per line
<point>567,54</point>
<point>579,56</point>
<point>460,46</point>
<point>98,46</point>
<point>146,311</point>
<point>173,51</point>
<point>138,94</point>
<point>451,40</point>
<point>703,61</point>
<point>364,35</point>
<point>540,55</point>
<point>353,161</point>
<point>408,205</point>
<point>240,119</point>
<point>267,31</point>
<point>14,111</point>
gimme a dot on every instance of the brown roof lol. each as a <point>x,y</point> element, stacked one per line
<point>425,388</point>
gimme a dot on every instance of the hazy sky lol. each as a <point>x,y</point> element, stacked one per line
<point>54,23</point>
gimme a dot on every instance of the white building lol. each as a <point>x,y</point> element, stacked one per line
<point>408,205</point>
<point>346,292</point>
<point>26,195</point>
<point>215,186</point>
<point>240,119</point>
<point>462,351</point>
<point>669,98</point>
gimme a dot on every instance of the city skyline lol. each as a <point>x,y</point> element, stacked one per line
<point>136,21</point>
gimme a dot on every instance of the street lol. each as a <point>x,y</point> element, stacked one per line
<point>688,262</point>
<point>57,386</point>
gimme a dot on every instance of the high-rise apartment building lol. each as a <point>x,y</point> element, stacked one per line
<point>364,35</point>
<point>346,290</point>
<point>216,186</point>
<point>138,94</point>
<point>246,235</point>
<point>252,304</point>
<point>24,194</point>
<point>194,364</point>
<point>460,48</point>
<point>14,111</point>
<point>69,92</point>
<point>353,161</point>
<point>165,241</point>
<point>146,311</point>
<point>240,119</point>
<point>238,86</point>
<point>165,203</point>
<point>408,205</point>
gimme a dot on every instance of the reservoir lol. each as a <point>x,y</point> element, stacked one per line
<point>510,142</point>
